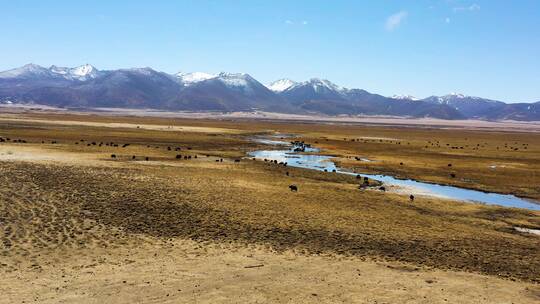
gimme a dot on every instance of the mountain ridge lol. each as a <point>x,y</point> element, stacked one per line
<point>86,87</point>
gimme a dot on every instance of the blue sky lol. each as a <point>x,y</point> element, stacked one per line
<point>481,48</point>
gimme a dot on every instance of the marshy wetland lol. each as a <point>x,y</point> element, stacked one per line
<point>314,160</point>
<point>172,210</point>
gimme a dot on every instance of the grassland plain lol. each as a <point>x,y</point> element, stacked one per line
<point>68,210</point>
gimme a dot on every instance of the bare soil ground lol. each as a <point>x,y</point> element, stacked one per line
<point>79,226</point>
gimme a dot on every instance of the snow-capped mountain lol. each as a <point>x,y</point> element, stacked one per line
<point>81,73</point>
<point>87,87</point>
<point>30,71</point>
<point>236,79</point>
<point>469,106</point>
<point>281,85</point>
<point>27,71</point>
<point>405,97</point>
<point>194,77</point>
<point>452,97</point>
<point>313,89</point>
<point>231,80</point>
<point>321,85</point>
<point>230,91</point>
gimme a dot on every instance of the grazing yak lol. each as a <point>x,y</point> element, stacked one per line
<point>411,197</point>
<point>382,189</point>
<point>293,188</point>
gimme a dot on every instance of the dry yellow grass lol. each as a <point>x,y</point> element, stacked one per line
<point>65,199</point>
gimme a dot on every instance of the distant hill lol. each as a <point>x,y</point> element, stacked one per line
<point>144,88</point>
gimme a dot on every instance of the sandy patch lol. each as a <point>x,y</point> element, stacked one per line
<point>126,125</point>
<point>528,230</point>
<point>416,191</point>
<point>35,154</point>
<point>378,138</point>
<point>186,272</point>
<point>506,125</point>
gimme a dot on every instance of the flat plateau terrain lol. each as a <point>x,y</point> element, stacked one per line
<point>213,226</point>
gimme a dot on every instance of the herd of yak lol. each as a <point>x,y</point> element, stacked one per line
<point>298,146</point>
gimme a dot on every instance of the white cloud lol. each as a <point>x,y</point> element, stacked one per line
<point>296,22</point>
<point>472,7</point>
<point>395,20</point>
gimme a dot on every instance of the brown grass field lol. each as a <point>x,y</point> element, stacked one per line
<point>78,226</point>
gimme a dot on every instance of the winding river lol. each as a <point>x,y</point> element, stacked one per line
<point>324,162</point>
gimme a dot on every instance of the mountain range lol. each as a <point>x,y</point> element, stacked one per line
<point>144,88</point>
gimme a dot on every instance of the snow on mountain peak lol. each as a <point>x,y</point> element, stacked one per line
<point>281,85</point>
<point>191,78</point>
<point>461,96</point>
<point>318,84</point>
<point>229,79</point>
<point>235,79</point>
<point>59,70</point>
<point>456,95</point>
<point>143,71</point>
<point>32,67</point>
<point>28,70</point>
<point>405,97</point>
<point>84,70</point>
<point>82,73</point>
<point>232,75</point>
